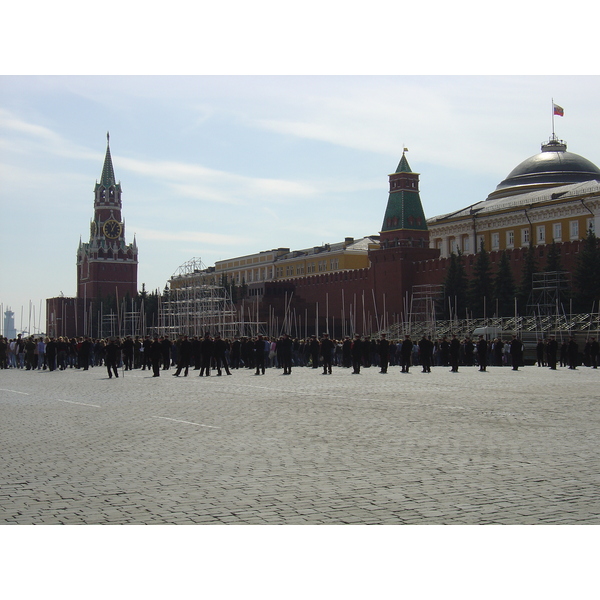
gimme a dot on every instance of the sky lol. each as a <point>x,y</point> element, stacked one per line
<point>231,159</point>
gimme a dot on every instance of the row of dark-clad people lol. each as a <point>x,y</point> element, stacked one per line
<point>207,352</point>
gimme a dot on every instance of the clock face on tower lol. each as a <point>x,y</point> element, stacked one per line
<point>112,229</point>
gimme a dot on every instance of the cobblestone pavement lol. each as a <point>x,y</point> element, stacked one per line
<point>500,447</point>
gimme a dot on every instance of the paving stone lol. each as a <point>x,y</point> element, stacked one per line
<point>441,449</point>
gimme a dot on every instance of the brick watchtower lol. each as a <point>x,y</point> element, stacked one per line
<point>404,221</point>
<point>106,265</point>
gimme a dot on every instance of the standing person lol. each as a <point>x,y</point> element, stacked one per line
<point>30,348</point>
<point>3,353</point>
<point>62,349</point>
<point>156,356</point>
<point>516,353</point>
<point>356,354</point>
<point>498,351</point>
<point>220,350</point>
<point>285,353</point>
<point>384,353</point>
<point>259,355</point>
<point>184,353</point>
<point>326,351</point>
<point>539,351</point>
<point>594,350</point>
<point>564,351</point>
<point>454,353</point>
<point>482,348</point>
<point>112,358</point>
<point>146,353</point>
<point>444,352</point>
<point>426,353</point>
<point>128,347</point>
<point>551,352</point>
<point>469,350</point>
<point>314,351</point>
<point>84,353</point>
<point>166,352</point>
<point>207,350</point>
<point>405,353</point>
<point>347,352</point>
<point>236,353</point>
<point>572,353</point>
<point>51,350</point>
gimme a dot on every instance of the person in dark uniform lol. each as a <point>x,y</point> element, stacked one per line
<point>207,348</point>
<point>347,352</point>
<point>551,352</point>
<point>594,350</point>
<point>112,358</point>
<point>516,353</point>
<point>356,354</point>
<point>236,353</point>
<point>326,350</point>
<point>454,353</point>
<point>425,353</point>
<point>220,349</point>
<point>406,353</point>
<point>127,348</point>
<point>469,347</point>
<point>572,353</point>
<point>539,351</point>
<point>284,352</point>
<point>384,353</point>
<point>314,351</point>
<point>259,355</point>
<point>166,352</point>
<point>482,351</point>
<point>184,353</point>
<point>85,352</point>
<point>156,356</point>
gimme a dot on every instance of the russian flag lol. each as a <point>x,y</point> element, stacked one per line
<point>558,110</point>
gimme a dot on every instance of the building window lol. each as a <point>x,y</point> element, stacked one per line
<point>590,226</point>
<point>310,268</point>
<point>466,244</point>
<point>525,237</point>
<point>557,231</point>
<point>574,227</point>
<point>300,270</point>
<point>510,239</point>
<point>495,241</point>
<point>289,271</point>
<point>541,234</point>
<point>334,264</point>
<point>322,266</point>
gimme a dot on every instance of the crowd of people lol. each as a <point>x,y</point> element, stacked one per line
<point>213,353</point>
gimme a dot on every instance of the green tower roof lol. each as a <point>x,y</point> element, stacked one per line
<point>108,174</point>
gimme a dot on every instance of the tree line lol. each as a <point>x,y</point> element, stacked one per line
<point>487,293</point>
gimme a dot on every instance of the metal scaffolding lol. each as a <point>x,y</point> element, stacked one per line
<point>194,308</point>
<point>547,291</point>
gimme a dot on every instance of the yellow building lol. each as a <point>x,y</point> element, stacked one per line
<point>551,196</point>
<point>282,263</point>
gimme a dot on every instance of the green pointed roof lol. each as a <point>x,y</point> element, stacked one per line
<point>403,166</point>
<point>404,210</point>
<point>108,174</point>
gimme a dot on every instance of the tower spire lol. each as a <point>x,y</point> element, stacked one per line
<point>108,174</point>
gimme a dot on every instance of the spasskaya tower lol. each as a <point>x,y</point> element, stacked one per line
<point>107,265</point>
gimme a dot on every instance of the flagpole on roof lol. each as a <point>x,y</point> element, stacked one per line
<point>552,117</point>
